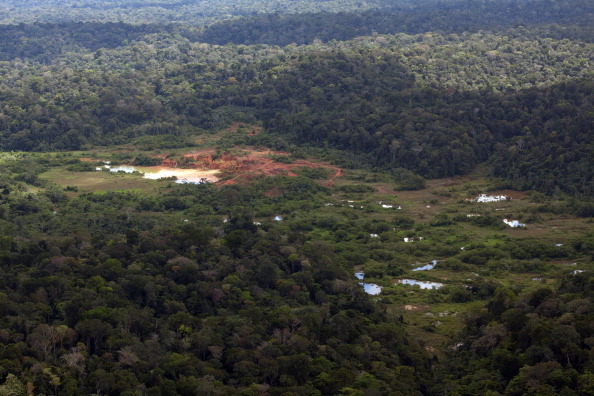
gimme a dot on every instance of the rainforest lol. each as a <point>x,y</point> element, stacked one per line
<point>340,197</point>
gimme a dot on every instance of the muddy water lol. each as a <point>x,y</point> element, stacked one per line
<point>194,176</point>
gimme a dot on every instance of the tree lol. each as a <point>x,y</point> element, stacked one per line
<point>44,338</point>
<point>93,332</point>
<point>12,386</point>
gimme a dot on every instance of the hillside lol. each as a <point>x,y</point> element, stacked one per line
<point>392,100</point>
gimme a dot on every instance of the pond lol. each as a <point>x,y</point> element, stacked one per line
<point>421,284</point>
<point>370,288</point>
<point>193,176</point>
<point>426,267</point>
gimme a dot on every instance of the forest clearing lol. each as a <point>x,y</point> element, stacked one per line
<point>296,198</point>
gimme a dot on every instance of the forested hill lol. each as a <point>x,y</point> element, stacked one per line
<point>435,104</point>
<point>570,19</point>
<point>186,12</point>
<point>539,137</point>
<point>43,42</point>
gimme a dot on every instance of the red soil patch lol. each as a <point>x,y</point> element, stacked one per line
<point>246,164</point>
<point>256,163</point>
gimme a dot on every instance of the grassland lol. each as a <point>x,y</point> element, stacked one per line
<point>97,181</point>
<point>435,219</point>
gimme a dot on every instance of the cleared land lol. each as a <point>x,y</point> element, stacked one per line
<point>432,318</point>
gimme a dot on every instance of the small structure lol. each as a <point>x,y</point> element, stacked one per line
<point>513,223</point>
<point>491,198</point>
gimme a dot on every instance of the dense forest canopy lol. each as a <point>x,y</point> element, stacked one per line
<point>398,100</point>
<point>441,17</point>
<point>123,302</point>
<point>112,286</point>
<point>194,13</point>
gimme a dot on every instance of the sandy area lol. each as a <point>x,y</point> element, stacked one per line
<point>189,175</point>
